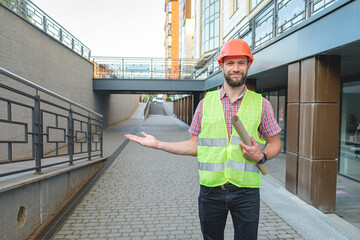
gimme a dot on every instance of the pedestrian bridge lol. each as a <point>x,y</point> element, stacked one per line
<point>139,75</point>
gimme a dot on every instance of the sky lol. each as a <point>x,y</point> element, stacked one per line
<point>120,28</point>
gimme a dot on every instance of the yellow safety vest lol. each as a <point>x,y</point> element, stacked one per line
<point>221,161</point>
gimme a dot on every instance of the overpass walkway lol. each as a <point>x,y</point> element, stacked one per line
<point>149,194</point>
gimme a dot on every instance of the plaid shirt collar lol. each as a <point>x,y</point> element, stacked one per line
<point>223,93</point>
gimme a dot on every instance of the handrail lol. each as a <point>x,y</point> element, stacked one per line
<point>44,90</point>
<point>142,67</point>
<point>48,128</point>
<point>37,17</point>
<point>147,108</point>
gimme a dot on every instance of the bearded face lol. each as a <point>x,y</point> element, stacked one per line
<point>235,70</point>
<point>235,82</point>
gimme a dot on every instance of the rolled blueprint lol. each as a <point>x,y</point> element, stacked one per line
<point>240,129</point>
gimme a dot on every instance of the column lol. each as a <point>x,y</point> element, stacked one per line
<point>190,110</point>
<point>312,130</point>
<point>292,137</point>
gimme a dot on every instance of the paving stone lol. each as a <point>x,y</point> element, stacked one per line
<point>149,194</point>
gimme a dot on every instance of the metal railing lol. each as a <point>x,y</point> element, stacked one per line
<point>143,68</point>
<point>34,15</point>
<point>274,19</point>
<point>50,125</point>
<point>147,109</point>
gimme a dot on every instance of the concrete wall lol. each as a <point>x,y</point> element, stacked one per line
<point>32,54</point>
<point>169,108</point>
<point>120,107</point>
<point>28,203</point>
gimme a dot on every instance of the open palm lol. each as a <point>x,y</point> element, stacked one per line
<point>146,141</point>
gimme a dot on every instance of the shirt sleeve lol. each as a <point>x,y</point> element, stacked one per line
<point>195,127</point>
<point>268,125</point>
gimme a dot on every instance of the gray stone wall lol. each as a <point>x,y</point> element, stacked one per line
<point>32,54</point>
<point>27,203</point>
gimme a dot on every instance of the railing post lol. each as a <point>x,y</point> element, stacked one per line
<point>60,35</point>
<point>89,138</point>
<point>38,134</point>
<point>123,68</point>
<point>72,44</point>
<point>89,54</point>
<point>44,23</point>
<point>23,9</point>
<point>275,18</point>
<point>308,8</point>
<point>82,50</point>
<point>151,69</point>
<point>9,144</point>
<point>253,25</point>
<point>57,125</point>
<point>101,140</point>
<point>71,137</point>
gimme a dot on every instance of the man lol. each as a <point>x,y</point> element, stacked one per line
<point>229,178</point>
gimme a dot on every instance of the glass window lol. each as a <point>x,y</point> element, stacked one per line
<point>264,26</point>
<point>169,53</point>
<point>273,98</point>
<point>281,118</point>
<point>168,40</point>
<point>278,103</point>
<point>168,6</point>
<point>168,18</point>
<point>210,25</point>
<point>248,38</point>
<point>235,6</point>
<point>349,160</point>
<point>254,3</point>
<point>290,13</point>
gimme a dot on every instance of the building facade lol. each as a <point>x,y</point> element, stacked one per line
<point>186,29</point>
<point>172,38</point>
<point>307,64</point>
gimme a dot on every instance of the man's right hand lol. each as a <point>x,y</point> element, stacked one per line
<point>188,147</point>
<point>146,141</point>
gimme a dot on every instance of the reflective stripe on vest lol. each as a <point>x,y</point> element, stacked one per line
<point>242,166</point>
<point>235,140</point>
<point>212,142</point>
<point>215,167</point>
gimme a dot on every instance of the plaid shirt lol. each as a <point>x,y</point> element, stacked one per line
<point>268,125</point>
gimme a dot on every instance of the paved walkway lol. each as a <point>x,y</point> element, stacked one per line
<point>149,194</point>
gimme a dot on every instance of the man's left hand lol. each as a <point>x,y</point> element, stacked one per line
<point>252,152</point>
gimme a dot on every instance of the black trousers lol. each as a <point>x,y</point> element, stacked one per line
<point>216,202</point>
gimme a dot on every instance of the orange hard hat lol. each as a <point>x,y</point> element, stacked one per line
<point>235,47</point>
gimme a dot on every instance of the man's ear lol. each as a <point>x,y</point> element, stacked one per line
<point>248,62</point>
<point>222,66</point>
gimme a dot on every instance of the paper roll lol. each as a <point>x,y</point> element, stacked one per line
<point>240,129</point>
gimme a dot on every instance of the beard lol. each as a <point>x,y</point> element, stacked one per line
<point>234,84</point>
